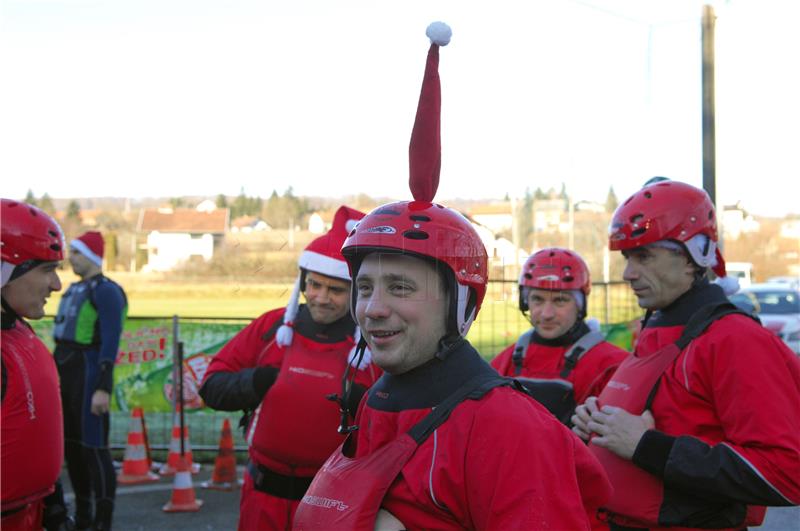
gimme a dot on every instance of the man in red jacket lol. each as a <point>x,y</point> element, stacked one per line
<point>561,361</point>
<point>439,444</point>
<point>698,428</point>
<point>32,430</point>
<point>286,365</point>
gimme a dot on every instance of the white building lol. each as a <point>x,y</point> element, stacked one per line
<point>175,236</point>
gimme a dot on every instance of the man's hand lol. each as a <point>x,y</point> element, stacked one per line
<point>582,417</point>
<point>100,402</point>
<point>619,431</point>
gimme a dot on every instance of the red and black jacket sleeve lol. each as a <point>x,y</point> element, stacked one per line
<point>753,382</point>
<point>237,377</point>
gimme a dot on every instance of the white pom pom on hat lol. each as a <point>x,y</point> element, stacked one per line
<point>439,33</point>
<point>729,285</point>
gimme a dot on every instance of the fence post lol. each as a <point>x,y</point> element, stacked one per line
<point>175,340</point>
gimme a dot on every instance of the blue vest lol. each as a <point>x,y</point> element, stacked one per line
<point>76,321</point>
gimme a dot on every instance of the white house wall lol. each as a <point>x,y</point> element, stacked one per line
<point>165,251</point>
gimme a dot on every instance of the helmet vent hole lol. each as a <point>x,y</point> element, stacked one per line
<point>419,217</point>
<point>638,232</point>
<point>387,212</point>
<point>415,235</point>
<point>636,218</point>
<point>568,278</point>
<point>710,214</point>
<point>55,247</point>
<point>528,276</point>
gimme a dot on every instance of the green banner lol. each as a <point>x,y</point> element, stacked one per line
<point>143,374</point>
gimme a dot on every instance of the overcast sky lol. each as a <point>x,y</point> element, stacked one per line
<point>199,97</point>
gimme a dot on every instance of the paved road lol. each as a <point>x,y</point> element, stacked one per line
<point>139,509</point>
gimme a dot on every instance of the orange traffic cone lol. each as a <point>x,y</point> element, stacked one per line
<point>171,466</point>
<point>183,499</point>
<point>224,475</point>
<point>135,466</point>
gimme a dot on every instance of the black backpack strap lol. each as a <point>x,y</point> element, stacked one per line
<point>474,389</point>
<point>270,333</point>
<point>519,351</point>
<point>702,319</point>
<point>578,349</point>
<point>698,323</point>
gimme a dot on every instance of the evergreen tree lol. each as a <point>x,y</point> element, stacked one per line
<point>611,200</point>
<point>30,198</point>
<point>222,201</point>
<point>74,210</point>
<point>46,204</point>
<point>239,206</point>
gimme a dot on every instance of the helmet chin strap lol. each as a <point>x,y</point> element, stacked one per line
<point>348,380</point>
<point>464,317</point>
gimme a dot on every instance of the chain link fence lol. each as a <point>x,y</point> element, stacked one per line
<point>499,324</point>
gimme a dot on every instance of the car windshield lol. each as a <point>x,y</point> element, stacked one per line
<point>778,302</point>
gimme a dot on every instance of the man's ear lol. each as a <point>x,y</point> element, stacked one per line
<point>693,270</point>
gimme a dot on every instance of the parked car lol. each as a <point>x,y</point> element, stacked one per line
<point>745,301</point>
<point>792,282</point>
<point>779,310</point>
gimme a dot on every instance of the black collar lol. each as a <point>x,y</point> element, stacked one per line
<point>334,332</point>
<point>430,383</point>
<point>8,321</point>
<point>9,316</point>
<point>678,313</point>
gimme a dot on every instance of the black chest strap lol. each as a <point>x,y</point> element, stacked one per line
<point>571,356</point>
<point>697,325</point>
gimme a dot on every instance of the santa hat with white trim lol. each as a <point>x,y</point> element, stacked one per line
<point>323,256</point>
<point>90,244</point>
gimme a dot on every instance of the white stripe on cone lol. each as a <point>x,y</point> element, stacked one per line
<point>183,480</point>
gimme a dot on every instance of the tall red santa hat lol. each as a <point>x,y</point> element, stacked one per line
<point>90,244</point>
<point>324,256</point>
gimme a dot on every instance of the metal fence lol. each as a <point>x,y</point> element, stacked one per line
<point>499,324</point>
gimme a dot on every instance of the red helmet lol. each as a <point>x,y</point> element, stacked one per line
<point>554,269</point>
<point>666,210</point>
<point>29,233</point>
<point>427,230</point>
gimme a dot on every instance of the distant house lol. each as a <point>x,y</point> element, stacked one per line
<point>547,213</point>
<point>589,206</point>
<point>248,224</point>
<point>736,221</point>
<point>496,216</point>
<point>321,221</point>
<point>89,217</point>
<point>206,205</point>
<point>175,236</point>
<point>501,251</point>
<point>790,228</point>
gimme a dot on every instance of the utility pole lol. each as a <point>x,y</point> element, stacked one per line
<point>709,113</point>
